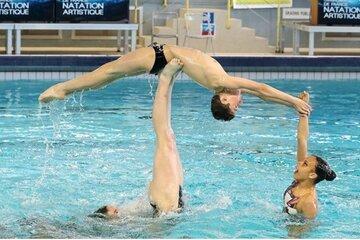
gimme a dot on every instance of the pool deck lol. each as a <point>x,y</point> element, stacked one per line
<point>248,63</point>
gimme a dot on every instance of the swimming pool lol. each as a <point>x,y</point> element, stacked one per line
<point>60,163</point>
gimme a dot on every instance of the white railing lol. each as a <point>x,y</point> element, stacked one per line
<point>8,27</point>
<point>18,27</point>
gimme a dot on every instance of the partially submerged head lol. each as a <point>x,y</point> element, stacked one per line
<point>107,211</point>
<point>314,169</point>
<point>224,104</point>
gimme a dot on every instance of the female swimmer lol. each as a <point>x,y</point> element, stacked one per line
<point>300,197</point>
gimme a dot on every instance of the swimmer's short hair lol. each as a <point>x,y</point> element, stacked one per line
<point>219,110</point>
<point>100,213</point>
<point>102,210</point>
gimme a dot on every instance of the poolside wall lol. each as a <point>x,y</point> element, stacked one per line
<point>259,76</point>
<point>253,67</point>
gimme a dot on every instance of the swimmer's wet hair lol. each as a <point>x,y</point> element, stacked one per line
<point>102,210</point>
<point>219,110</point>
<point>323,170</point>
<point>100,213</point>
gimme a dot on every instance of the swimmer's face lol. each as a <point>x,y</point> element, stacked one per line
<point>232,97</point>
<point>112,211</point>
<point>108,211</point>
<point>306,169</point>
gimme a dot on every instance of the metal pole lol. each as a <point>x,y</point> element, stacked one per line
<point>278,23</point>
<point>9,39</point>
<point>126,41</point>
<point>187,4</point>
<point>133,40</point>
<point>228,18</point>
<point>135,12</point>
<point>18,41</point>
<point>311,43</point>
<point>119,41</point>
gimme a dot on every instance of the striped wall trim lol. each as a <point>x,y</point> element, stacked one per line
<point>81,63</point>
<point>281,76</point>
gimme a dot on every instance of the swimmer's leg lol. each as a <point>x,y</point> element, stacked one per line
<point>134,63</point>
<point>167,169</point>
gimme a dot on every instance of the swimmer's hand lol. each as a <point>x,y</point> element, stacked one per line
<point>53,93</point>
<point>172,68</point>
<point>305,98</point>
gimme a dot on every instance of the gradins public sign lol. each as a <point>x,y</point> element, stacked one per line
<point>64,10</point>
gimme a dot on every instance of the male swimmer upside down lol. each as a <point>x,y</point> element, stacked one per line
<point>202,68</point>
<point>300,197</point>
<point>165,190</point>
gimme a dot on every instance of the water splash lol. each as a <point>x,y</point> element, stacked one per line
<point>54,111</point>
<point>151,82</point>
<point>81,100</point>
<point>49,152</point>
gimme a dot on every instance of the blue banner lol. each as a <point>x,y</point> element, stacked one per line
<point>26,10</point>
<point>92,10</point>
<point>63,10</point>
<point>345,12</point>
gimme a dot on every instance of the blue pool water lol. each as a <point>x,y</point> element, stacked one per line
<point>61,162</point>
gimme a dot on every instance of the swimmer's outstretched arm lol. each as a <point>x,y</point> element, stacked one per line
<point>308,206</point>
<point>133,63</point>
<point>303,132</point>
<point>246,91</point>
<point>266,92</point>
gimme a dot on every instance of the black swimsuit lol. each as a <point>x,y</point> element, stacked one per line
<point>160,60</point>
<point>180,203</point>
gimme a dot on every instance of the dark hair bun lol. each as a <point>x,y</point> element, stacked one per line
<point>330,176</point>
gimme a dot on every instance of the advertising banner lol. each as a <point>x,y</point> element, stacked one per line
<point>26,10</point>
<point>344,12</point>
<point>92,10</point>
<point>238,4</point>
<point>208,24</point>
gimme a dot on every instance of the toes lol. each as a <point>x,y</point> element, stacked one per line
<point>176,61</point>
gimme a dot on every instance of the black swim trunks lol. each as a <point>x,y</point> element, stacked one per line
<point>160,60</point>
<point>180,203</point>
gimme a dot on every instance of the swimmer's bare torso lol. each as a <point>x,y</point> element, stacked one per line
<point>199,66</point>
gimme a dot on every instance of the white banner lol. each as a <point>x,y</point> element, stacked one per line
<point>241,4</point>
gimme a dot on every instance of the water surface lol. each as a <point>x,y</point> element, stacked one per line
<point>61,162</point>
